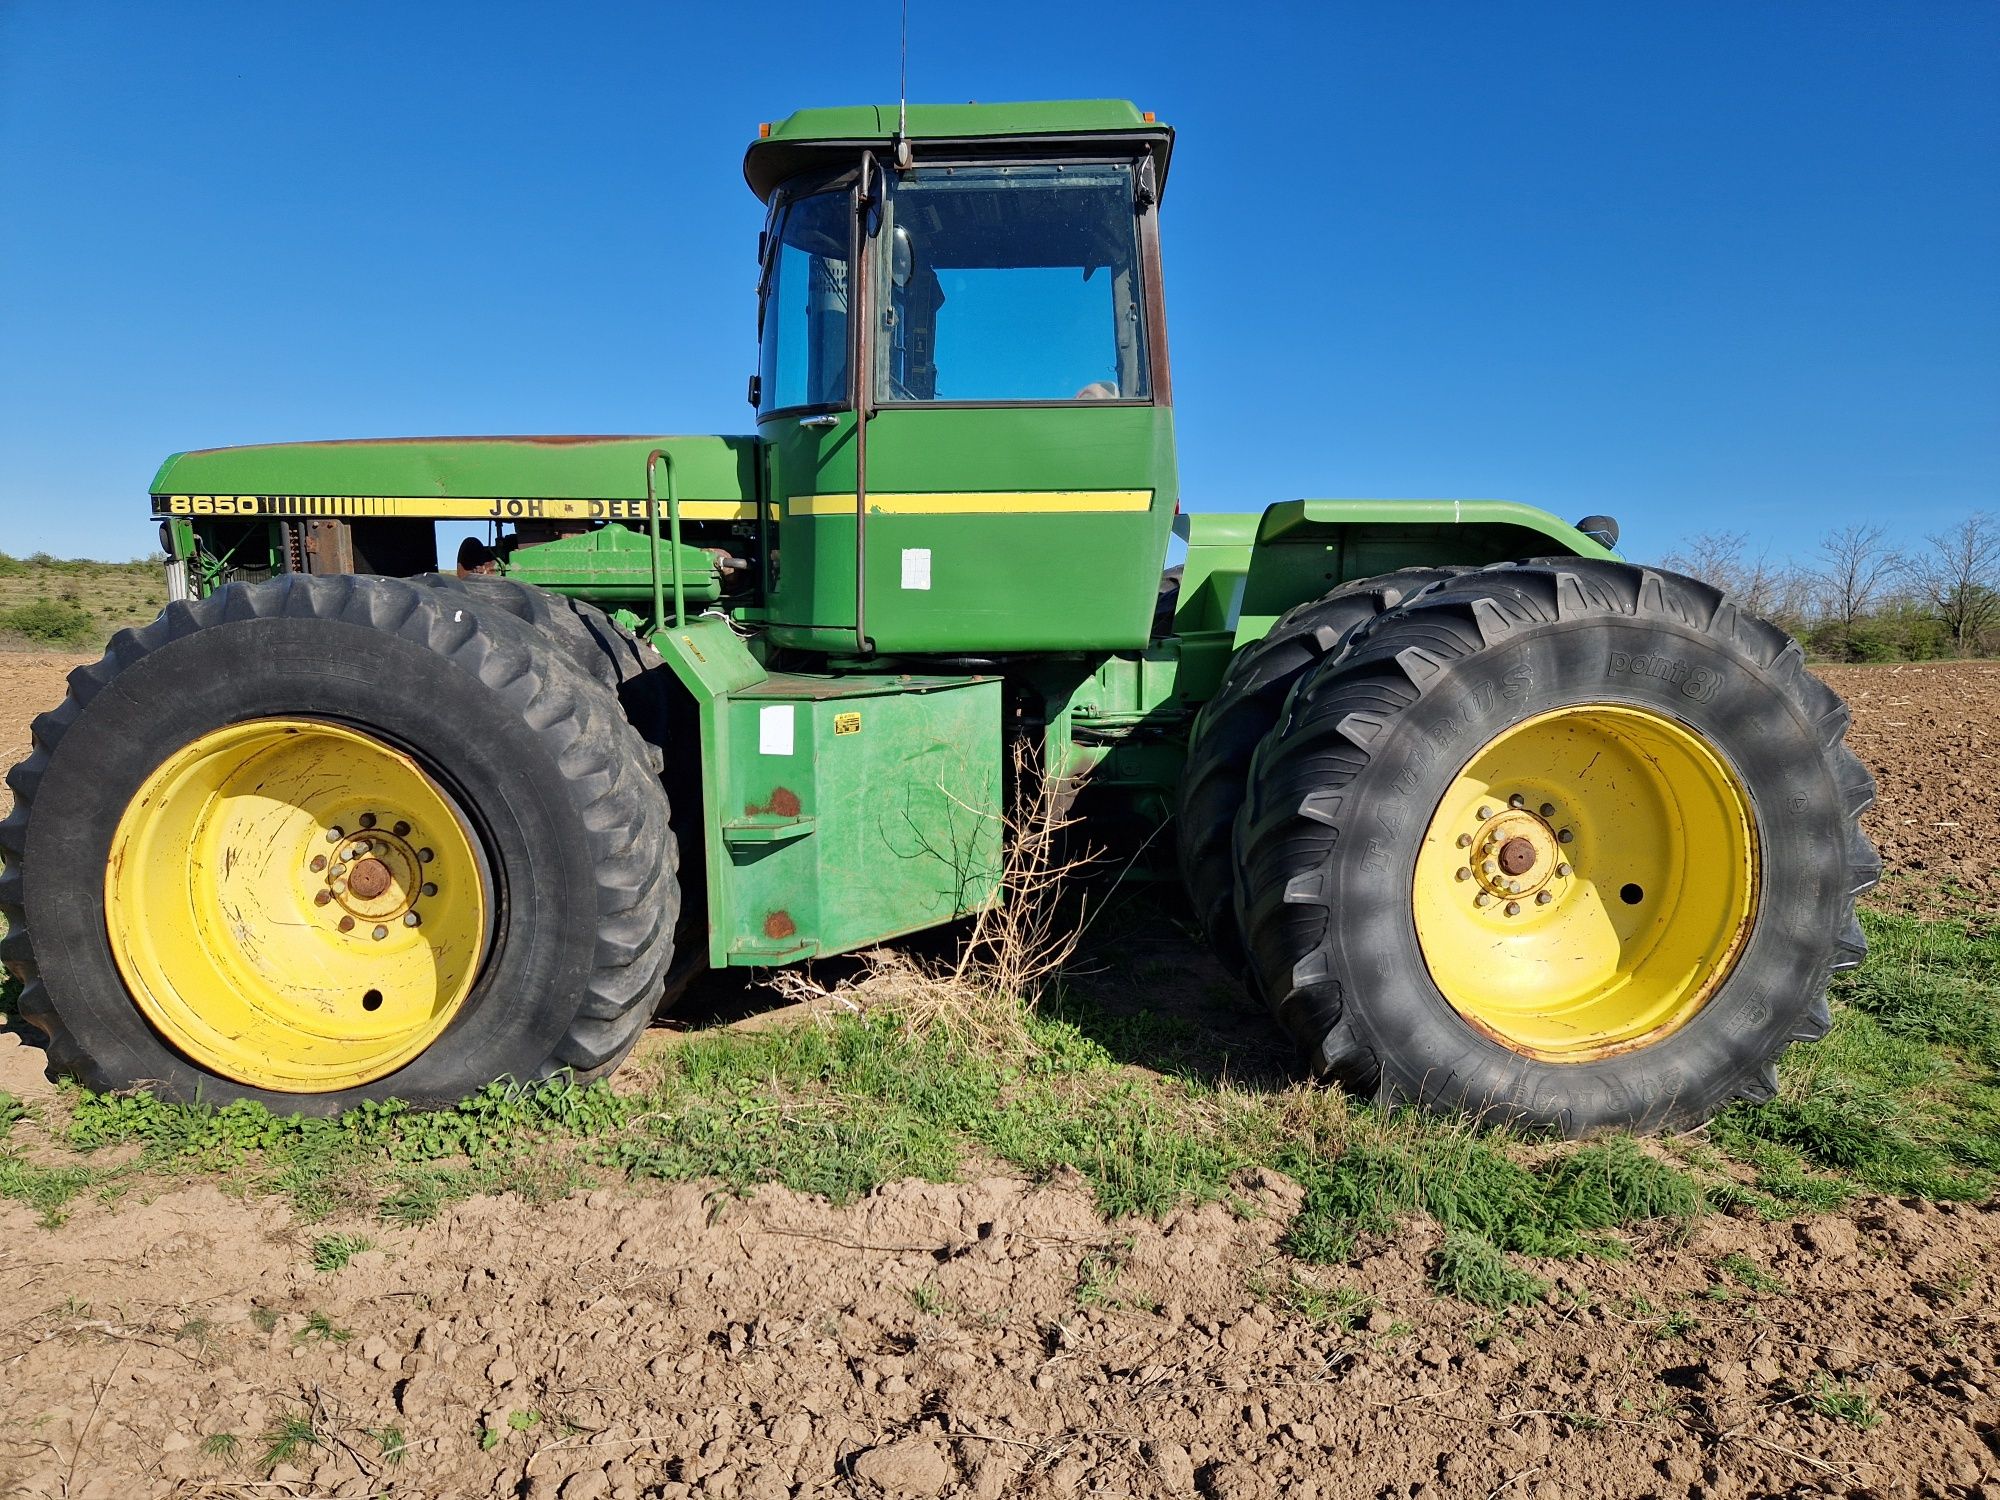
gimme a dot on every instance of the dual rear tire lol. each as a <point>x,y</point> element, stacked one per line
<point>1566,844</point>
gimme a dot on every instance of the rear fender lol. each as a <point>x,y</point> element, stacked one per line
<point>1241,576</point>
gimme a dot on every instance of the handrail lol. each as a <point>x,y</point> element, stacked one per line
<point>674,533</point>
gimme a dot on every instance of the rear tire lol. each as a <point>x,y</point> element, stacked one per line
<point>564,812</point>
<point>1362,898</point>
<point>1233,723</point>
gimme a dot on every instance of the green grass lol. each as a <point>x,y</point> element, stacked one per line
<point>75,603</point>
<point>1903,1097</point>
<point>1836,1397</point>
<point>1474,1269</point>
<point>288,1439</point>
<point>332,1252</point>
<point>323,1329</point>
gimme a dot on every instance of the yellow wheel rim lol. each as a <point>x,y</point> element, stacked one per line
<point>1587,882</point>
<point>295,905</point>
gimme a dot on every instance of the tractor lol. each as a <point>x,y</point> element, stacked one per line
<point>1493,822</point>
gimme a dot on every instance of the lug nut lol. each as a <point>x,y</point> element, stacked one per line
<point>319,862</point>
<point>347,924</point>
<point>1548,809</point>
<point>1461,873</point>
<point>1543,898</point>
<point>335,835</point>
<point>1485,813</point>
<point>411,919</point>
<point>425,855</point>
<point>1563,870</point>
<point>320,898</point>
<point>336,872</point>
<point>1482,899</point>
<point>1465,841</point>
<point>1517,801</point>
<point>1513,908</point>
<point>400,829</point>
<point>1564,837</point>
<point>368,820</point>
<point>430,889</point>
<point>380,933</point>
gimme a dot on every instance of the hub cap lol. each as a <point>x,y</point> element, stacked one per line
<point>295,905</point>
<point>1587,882</point>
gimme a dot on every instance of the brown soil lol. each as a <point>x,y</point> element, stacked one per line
<point>31,682</point>
<point>932,1340</point>
<point>1929,732</point>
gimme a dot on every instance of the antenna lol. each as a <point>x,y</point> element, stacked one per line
<point>903,160</point>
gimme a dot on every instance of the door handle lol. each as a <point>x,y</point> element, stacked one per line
<point>826,419</point>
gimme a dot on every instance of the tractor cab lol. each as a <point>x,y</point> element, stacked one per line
<point>962,396</point>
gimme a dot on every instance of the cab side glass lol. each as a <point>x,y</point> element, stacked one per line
<point>804,355</point>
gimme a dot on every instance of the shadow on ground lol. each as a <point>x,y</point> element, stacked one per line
<point>1142,984</point>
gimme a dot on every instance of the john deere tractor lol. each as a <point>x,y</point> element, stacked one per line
<point>1492,821</point>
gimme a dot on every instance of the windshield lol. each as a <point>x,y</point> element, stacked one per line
<point>804,355</point>
<point>1011,283</point>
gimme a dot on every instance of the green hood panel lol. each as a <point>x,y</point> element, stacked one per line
<point>454,468</point>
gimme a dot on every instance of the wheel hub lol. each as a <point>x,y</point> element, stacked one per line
<point>1586,881</point>
<point>296,905</point>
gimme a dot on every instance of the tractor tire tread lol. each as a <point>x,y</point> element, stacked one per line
<point>611,782</point>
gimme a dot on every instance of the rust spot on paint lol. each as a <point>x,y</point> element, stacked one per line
<point>779,924</point>
<point>784,803</point>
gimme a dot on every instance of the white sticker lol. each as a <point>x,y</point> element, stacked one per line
<point>916,567</point>
<point>774,729</point>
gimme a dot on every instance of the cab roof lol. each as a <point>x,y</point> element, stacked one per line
<point>810,137</point>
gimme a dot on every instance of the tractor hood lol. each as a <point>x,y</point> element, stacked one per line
<point>475,478</point>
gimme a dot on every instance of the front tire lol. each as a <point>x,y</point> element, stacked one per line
<point>218,847</point>
<point>1569,844</point>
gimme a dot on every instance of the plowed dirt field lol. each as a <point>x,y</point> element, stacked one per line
<point>996,1337</point>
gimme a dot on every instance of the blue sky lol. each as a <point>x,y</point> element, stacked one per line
<point>1705,266</point>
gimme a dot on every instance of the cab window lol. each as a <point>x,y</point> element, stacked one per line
<point>1011,283</point>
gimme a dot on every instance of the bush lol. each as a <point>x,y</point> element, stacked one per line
<point>49,622</point>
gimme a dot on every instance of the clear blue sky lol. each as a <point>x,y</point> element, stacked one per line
<point>1703,265</point>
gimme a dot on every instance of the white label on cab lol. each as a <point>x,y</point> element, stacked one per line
<point>916,567</point>
<point>774,729</point>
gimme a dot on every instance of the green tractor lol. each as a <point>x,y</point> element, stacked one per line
<point>1491,820</point>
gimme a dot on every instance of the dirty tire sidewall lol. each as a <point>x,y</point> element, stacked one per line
<point>532,752</point>
<point>1370,743</point>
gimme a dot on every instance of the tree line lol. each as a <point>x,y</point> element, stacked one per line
<point>1864,595</point>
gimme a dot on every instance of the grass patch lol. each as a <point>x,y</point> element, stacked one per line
<point>76,602</point>
<point>1836,1397</point>
<point>1474,1269</point>
<point>332,1252</point>
<point>1474,1183</point>
<point>288,1439</point>
<point>1904,1096</point>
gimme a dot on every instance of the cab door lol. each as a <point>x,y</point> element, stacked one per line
<point>806,415</point>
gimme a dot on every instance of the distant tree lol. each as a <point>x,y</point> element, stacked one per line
<point>1857,567</point>
<point>1757,583</point>
<point>1960,576</point>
